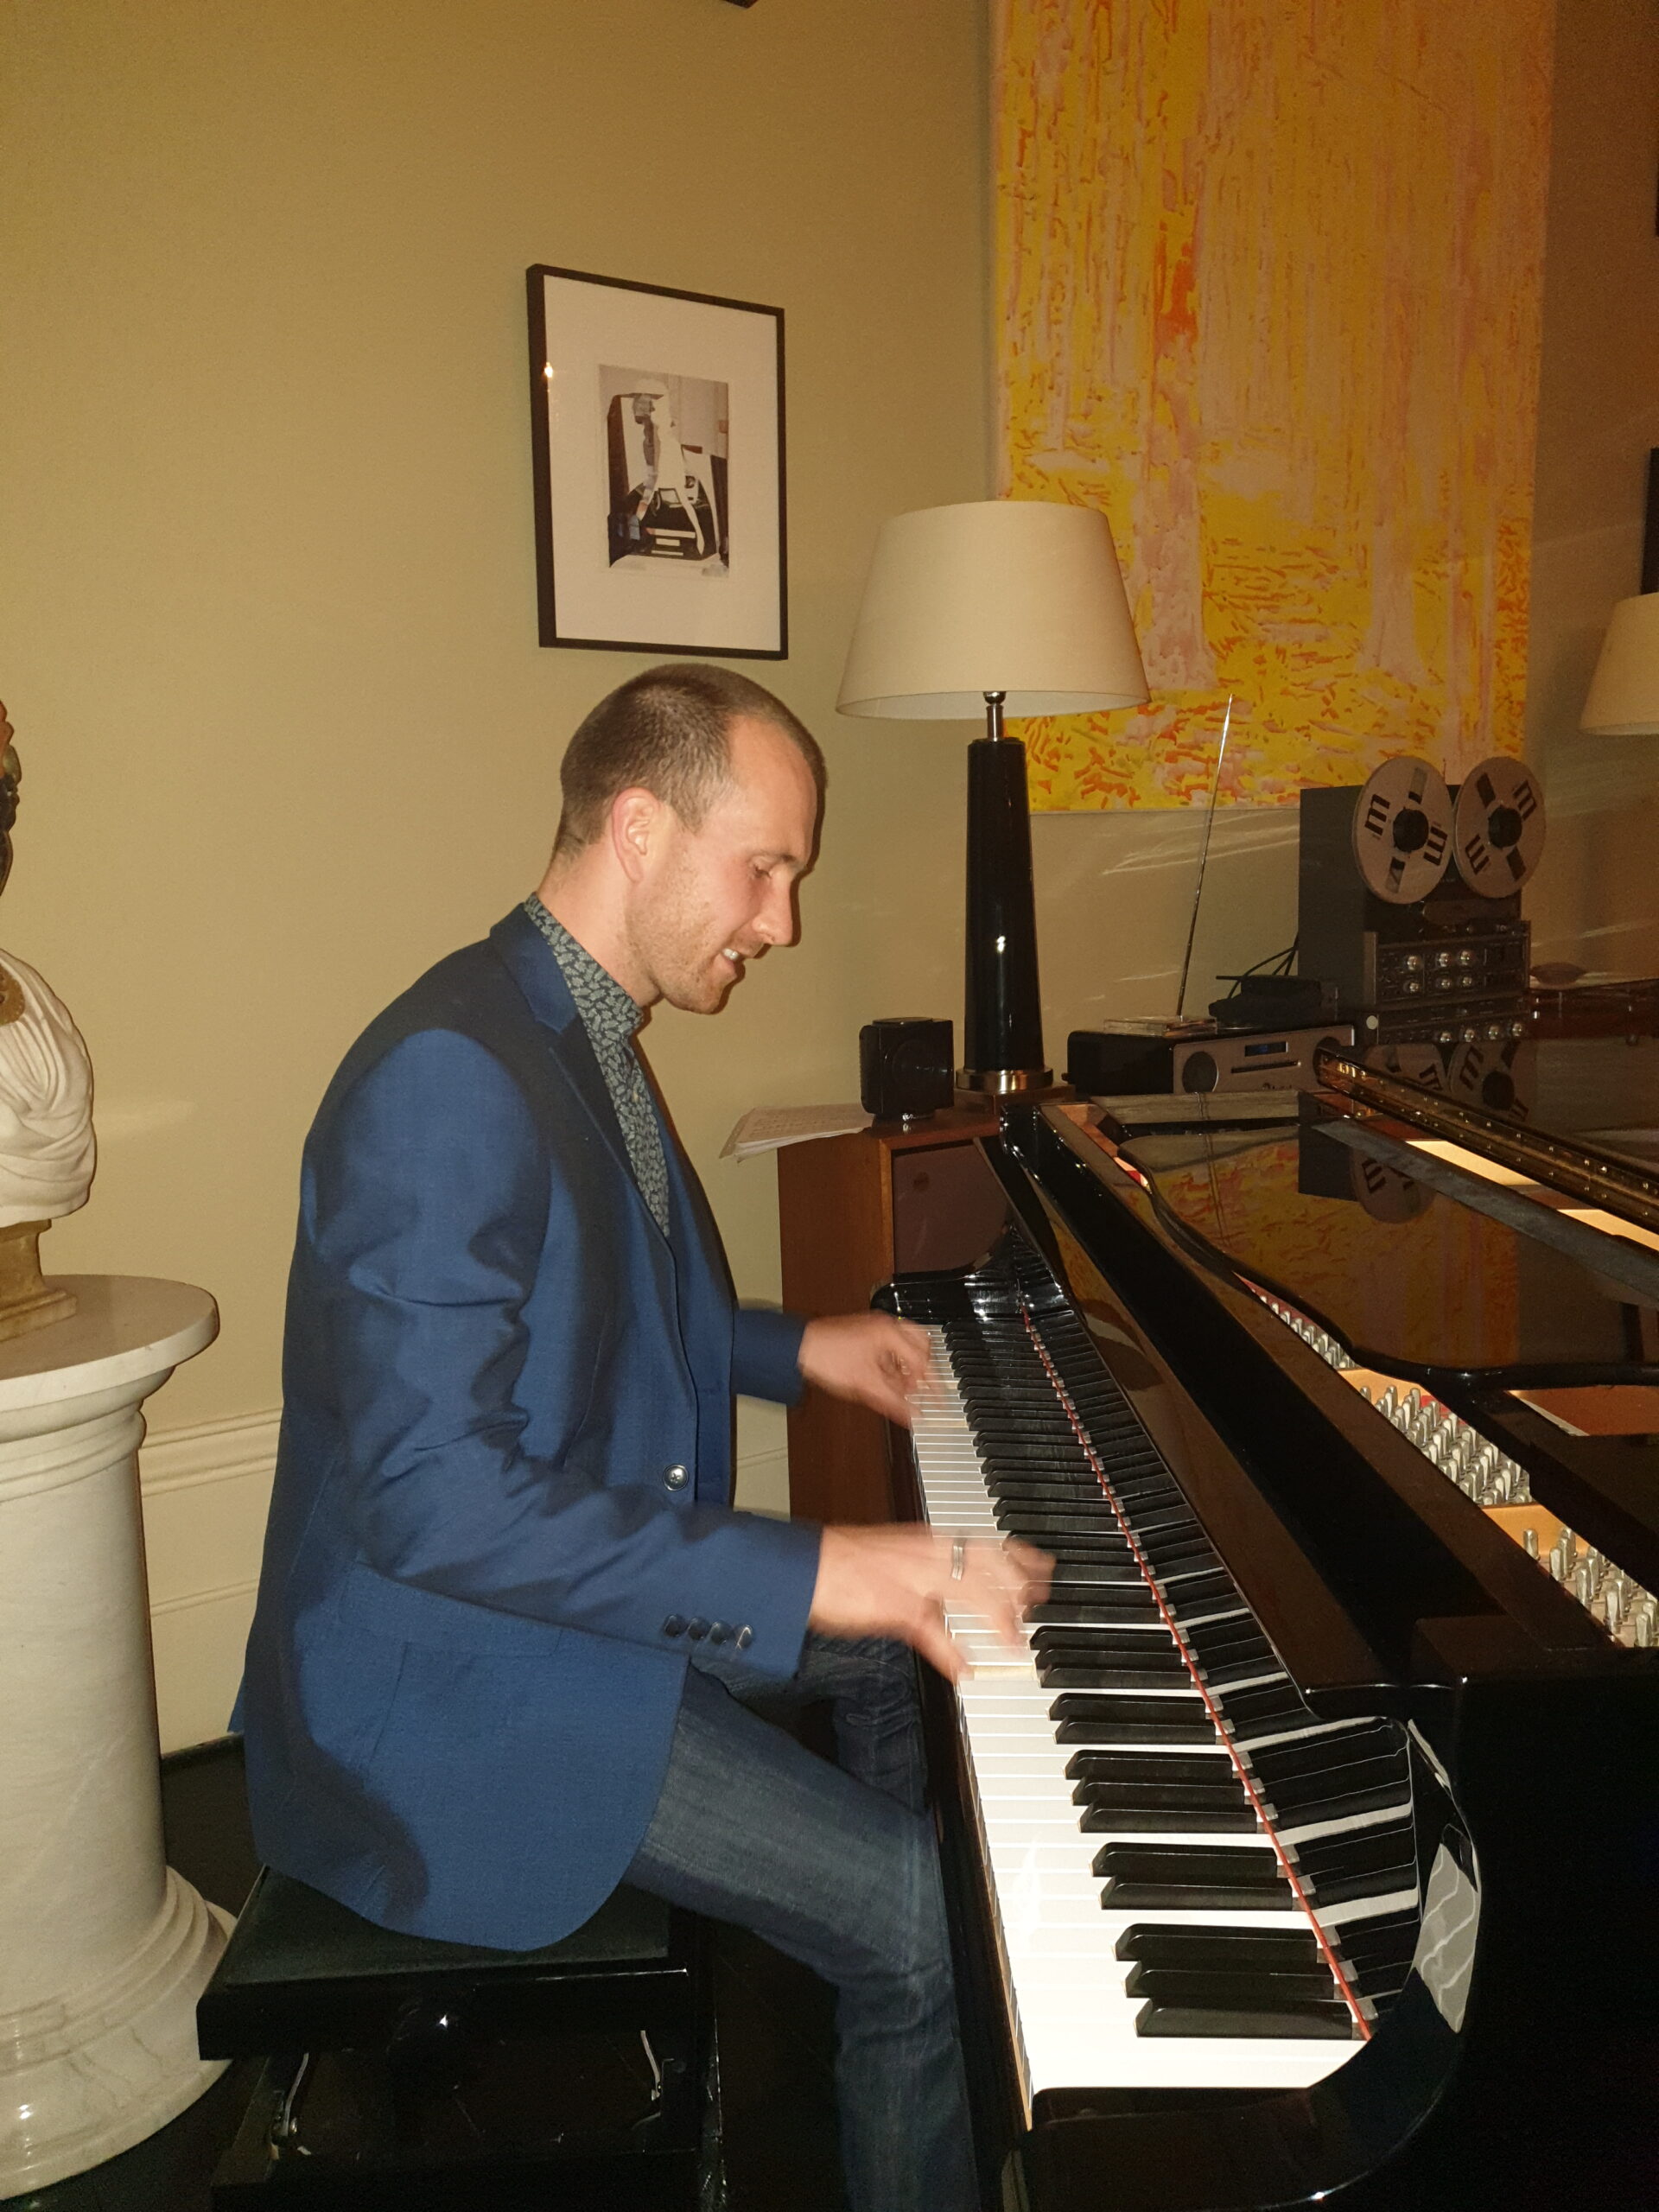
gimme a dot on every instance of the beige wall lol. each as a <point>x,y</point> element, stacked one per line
<point>267,625</point>
<point>1597,417</point>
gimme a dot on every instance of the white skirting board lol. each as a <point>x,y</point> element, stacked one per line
<point>206,1490</point>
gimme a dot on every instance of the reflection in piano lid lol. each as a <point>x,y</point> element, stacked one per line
<point>1253,1853</point>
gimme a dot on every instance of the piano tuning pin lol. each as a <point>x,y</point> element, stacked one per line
<point>1642,1629</point>
<point>1530,1538</point>
<point>1388,1403</point>
<point>1611,1608</point>
<point>1584,1582</point>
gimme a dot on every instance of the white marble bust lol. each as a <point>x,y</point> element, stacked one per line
<point>47,1151</point>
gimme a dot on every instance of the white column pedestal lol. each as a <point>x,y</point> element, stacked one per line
<point>103,1949</point>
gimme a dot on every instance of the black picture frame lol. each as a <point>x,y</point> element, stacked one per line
<point>649,539</point>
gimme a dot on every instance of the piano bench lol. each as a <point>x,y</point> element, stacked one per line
<point>410,2073</point>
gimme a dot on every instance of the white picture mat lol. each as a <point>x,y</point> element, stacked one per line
<point>590,326</point>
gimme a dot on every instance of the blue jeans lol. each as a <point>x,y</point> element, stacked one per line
<point>837,1866</point>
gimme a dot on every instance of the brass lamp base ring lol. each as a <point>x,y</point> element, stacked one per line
<point>1002,1083</point>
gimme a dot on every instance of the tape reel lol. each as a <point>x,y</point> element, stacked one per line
<point>1499,832</point>
<point>1402,830</point>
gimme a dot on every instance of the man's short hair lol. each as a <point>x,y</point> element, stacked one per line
<point>667,732</point>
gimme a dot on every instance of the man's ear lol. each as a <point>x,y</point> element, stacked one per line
<point>636,828</point>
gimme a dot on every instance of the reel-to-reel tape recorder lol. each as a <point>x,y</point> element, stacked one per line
<point>1409,891</point>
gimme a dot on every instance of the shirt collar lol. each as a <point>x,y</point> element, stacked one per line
<point>607,1010</point>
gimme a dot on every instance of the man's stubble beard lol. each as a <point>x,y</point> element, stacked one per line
<point>672,940</point>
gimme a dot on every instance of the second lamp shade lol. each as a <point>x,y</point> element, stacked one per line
<point>1021,596</point>
<point>1624,699</point>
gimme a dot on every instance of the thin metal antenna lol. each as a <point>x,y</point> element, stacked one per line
<point>1204,858</point>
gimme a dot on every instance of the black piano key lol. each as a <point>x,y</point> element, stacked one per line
<point>1149,1820</point>
<point>1218,1792</point>
<point>1079,1646</point>
<point>1154,1809</point>
<point>1034,1523</point>
<point>1183,1716</point>
<point>1106,1675</point>
<point>1176,1768</point>
<point>1221,1950</point>
<point>1008,1432</point>
<point>1237,1990</point>
<point>1079,1561</point>
<point>1109,1634</point>
<point>1013,1490</point>
<point>1097,1603</point>
<point>1330,2023</point>
<point>1191,1878</point>
<point>1103,1728</point>
<point>1076,1568</point>
<point>1157,1656</point>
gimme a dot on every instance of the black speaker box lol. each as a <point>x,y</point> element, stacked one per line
<point>906,1068</point>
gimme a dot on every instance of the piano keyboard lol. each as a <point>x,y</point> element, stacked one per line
<point>1194,1881</point>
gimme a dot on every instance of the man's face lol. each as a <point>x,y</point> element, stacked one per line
<point>715,896</point>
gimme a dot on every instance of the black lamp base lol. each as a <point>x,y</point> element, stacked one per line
<point>1002,1040</point>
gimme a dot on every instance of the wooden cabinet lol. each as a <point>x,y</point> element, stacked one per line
<point>852,1212</point>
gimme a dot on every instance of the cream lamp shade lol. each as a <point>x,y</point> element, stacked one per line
<point>1624,699</point>
<point>1019,596</point>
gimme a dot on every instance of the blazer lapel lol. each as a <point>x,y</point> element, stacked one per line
<point>526,953</point>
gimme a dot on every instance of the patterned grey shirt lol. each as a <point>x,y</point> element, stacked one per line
<point>610,1017</point>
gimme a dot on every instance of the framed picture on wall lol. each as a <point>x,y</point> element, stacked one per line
<point>658,431</point>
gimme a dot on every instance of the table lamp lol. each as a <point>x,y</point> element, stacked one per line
<point>1623,698</point>
<point>1016,607</point>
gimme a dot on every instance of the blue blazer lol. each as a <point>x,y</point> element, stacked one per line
<point>502,1484</point>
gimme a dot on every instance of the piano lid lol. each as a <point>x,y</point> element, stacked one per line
<point>1373,1227</point>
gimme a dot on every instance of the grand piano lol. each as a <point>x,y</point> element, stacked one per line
<point>1307,1854</point>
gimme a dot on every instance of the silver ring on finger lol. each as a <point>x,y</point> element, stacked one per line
<point>959,1557</point>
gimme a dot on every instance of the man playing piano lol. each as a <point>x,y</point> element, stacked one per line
<point>509,1624</point>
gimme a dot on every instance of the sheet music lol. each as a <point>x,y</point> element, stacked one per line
<point>765,1128</point>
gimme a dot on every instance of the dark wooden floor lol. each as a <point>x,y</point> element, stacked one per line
<point>775,2040</point>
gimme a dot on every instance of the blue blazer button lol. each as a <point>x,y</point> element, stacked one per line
<point>676,1478</point>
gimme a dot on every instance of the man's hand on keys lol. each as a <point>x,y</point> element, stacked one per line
<point>874,1359</point>
<point>897,1581</point>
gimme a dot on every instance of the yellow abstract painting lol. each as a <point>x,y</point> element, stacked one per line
<point>1268,281</point>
